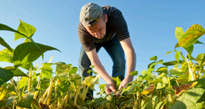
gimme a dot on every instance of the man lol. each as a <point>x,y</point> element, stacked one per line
<point>105,27</point>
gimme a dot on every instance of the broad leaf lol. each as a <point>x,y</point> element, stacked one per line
<point>179,32</point>
<point>25,102</point>
<point>7,28</point>
<point>201,83</point>
<point>155,81</point>
<point>23,82</point>
<point>188,99</point>
<point>171,63</point>
<point>183,79</point>
<point>3,43</point>
<point>153,58</point>
<point>177,56</point>
<point>29,52</point>
<point>63,68</point>
<point>176,72</point>
<point>148,90</point>
<point>189,49</point>
<point>5,76</point>
<point>96,80</point>
<point>16,72</point>
<point>27,66</point>
<point>200,59</point>
<point>46,70</point>
<point>191,36</point>
<point>182,56</point>
<point>134,73</point>
<point>6,55</point>
<point>162,75</point>
<point>73,70</point>
<point>160,85</point>
<point>165,80</point>
<point>26,29</point>
<point>87,81</point>
<point>162,70</point>
<point>198,42</point>
<point>170,52</point>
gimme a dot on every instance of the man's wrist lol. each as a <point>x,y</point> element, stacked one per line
<point>109,80</point>
<point>129,78</point>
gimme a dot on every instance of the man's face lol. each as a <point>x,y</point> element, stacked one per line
<point>98,30</point>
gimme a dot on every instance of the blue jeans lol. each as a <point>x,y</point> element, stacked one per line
<point>114,49</point>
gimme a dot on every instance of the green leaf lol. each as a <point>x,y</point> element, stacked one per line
<point>153,58</point>
<point>2,104</point>
<point>159,105</point>
<point>143,73</point>
<point>182,56</point>
<point>170,52</point>
<point>151,65</point>
<point>162,75</point>
<point>117,81</point>
<point>171,63</point>
<point>46,70</point>
<point>200,58</point>
<point>176,72</point>
<point>63,68</point>
<point>179,32</point>
<point>102,88</point>
<point>73,70</point>
<point>27,66</point>
<point>162,69</point>
<point>29,52</point>
<point>5,76</point>
<point>16,72</point>
<point>199,42</point>
<point>182,79</point>
<point>189,49</point>
<point>87,81</point>
<point>25,102</point>
<point>160,62</point>
<point>191,36</point>
<point>160,85</point>
<point>6,55</point>
<point>7,28</point>
<point>92,66</point>
<point>177,56</point>
<point>134,73</point>
<point>188,99</point>
<point>26,29</point>
<point>96,80</point>
<point>3,43</point>
<point>201,83</point>
<point>155,81</point>
<point>165,80</point>
<point>23,82</point>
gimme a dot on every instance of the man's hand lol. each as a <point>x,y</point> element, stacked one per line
<point>110,87</point>
<point>123,84</point>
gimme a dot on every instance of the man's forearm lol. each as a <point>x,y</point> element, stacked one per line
<point>102,72</point>
<point>131,63</point>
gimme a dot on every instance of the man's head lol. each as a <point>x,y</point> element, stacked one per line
<point>94,20</point>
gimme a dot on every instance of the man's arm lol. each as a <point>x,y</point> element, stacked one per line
<point>130,59</point>
<point>92,55</point>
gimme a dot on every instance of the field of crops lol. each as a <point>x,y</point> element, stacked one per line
<point>178,84</point>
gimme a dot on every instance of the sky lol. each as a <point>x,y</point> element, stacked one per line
<point>151,24</point>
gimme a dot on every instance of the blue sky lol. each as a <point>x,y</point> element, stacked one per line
<point>151,25</point>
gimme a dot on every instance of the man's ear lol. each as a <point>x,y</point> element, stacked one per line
<point>106,18</point>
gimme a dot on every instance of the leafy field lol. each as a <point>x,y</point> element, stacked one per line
<point>178,84</point>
